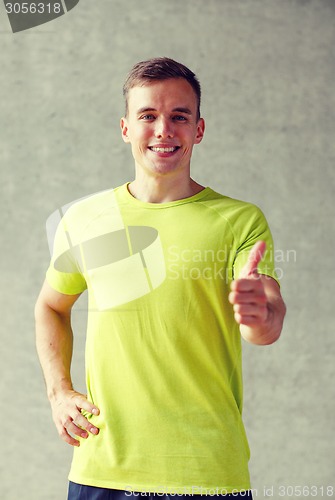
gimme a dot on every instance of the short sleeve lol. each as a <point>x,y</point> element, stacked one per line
<point>65,273</point>
<point>253,227</point>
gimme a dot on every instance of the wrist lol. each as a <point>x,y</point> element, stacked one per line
<point>54,391</point>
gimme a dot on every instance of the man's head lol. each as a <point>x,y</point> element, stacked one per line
<point>162,121</point>
<point>161,68</point>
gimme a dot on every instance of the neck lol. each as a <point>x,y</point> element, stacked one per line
<point>163,190</point>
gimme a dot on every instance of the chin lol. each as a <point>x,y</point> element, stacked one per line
<point>165,169</point>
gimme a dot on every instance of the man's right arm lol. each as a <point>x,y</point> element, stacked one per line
<point>54,343</point>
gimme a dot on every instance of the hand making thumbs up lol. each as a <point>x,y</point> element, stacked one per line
<point>258,305</point>
<point>248,293</point>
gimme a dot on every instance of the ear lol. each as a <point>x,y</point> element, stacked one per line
<point>200,131</point>
<point>124,129</point>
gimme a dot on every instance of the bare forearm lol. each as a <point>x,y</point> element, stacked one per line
<point>54,343</point>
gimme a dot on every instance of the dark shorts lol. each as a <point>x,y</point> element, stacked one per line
<point>81,492</point>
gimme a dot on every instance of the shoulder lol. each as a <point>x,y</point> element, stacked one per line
<point>231,208</point>
<point>85,216</point>
<point>90,205</point>
<point>244,218</point>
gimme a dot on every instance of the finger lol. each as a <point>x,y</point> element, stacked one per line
<point>244,310</point>
<point>255,256</point>
<point>78,424</point>
<point>82,403</point>
<point>63,433</point>
<point>75,430</point>
<point>246,285</point>
<point>250,319</point>
<point>84,423</point>
<point>248,298</point>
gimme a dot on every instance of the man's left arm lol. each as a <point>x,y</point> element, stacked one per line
<point>257,302</point>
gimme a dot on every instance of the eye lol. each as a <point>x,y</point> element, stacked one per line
<point>147,117</point>
<point>180,118</point>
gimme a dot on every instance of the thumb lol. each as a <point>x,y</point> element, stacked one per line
<point>255,256</point>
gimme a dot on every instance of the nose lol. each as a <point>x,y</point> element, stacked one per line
<point>164,128</point>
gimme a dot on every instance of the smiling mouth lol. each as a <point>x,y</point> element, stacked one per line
<point>157,149</point>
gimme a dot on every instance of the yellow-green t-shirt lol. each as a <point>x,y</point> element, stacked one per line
<point>163,351</point>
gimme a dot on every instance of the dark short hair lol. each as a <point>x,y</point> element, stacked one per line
<point>160,68</point>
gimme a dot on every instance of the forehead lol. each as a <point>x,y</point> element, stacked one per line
<point>163,95</point>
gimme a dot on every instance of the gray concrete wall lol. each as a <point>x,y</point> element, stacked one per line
<point>267,69</point>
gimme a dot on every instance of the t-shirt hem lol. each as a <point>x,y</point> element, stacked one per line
<point>160,489</point>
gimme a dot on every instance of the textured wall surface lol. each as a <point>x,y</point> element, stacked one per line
<point>267,69</point>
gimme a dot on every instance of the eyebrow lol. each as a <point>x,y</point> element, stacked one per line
<point>187,111</point>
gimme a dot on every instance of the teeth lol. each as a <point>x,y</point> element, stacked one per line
<point>163,150</point>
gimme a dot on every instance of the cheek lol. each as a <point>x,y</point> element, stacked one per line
<point>189,139</point>
<point>141,138</point>
<point>188,144</point>
<point>139,145</point>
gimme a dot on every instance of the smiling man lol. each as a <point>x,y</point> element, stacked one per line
<point>162,134</point>
<point>162,124</point>
<point>176,274</point>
